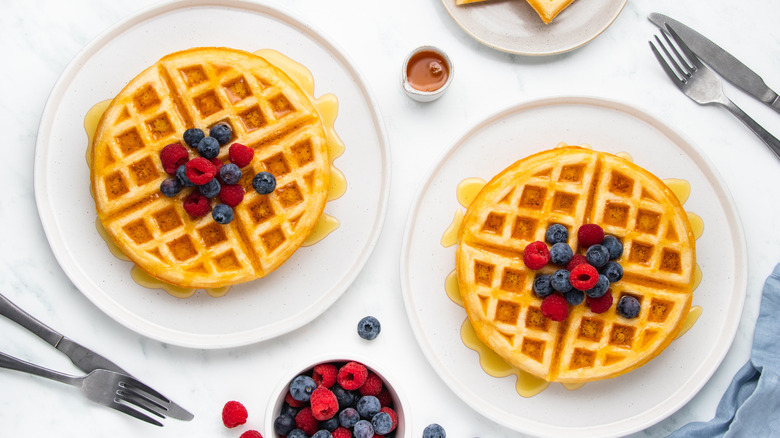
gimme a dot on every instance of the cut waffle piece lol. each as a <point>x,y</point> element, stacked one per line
<point>198,88</point>
<point>574,186</point>
<point>549,9</point>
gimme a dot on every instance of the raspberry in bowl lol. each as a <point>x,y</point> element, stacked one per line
<point>338,393</point>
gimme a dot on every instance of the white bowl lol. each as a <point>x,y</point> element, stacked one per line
<point>426,96</point>
<point>403,428</point>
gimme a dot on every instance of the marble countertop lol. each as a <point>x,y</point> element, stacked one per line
<point>40,38</point>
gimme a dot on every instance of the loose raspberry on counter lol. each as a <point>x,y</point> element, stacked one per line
<point>197,205</point>
<point>306,422</point>
<point>323,404</point>
<point>372,386</point>
<point>583,277</point>
<point>600,304</point>
<point>233,414</point>
<point>172,156</point>
<point>240,155</point>
<point>251,434</point>
<point>352,375</point>
<point>555,308</point>
<point>590,234</point>
<point>536,255</point>
<point>231,194</point>
<point>325,374</point>
<point>200,170</point>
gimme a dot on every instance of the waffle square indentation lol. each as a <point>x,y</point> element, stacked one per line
<point>253,118</point>
<point>535,320</point>
<point>227,261</point>
<point>659,310</point>
<point>146,98</point>
<point>572,173</point>
<point>237,89</point>
<point>564,202</point>
<point>582,358</point>
<point>276,165</point>
<point>648,221</point>
<point>212,234</point>
<point>640,253</point>
<point>591,329</point>
<point>143,171</point>
<point>533,348</point>
<point>281,106</point>
<point>525,228</point>
<point>137,231</point>
<point>512,280</point>
<point>533,197</point>
<point>115,185</point>
<point>272,239</point>
<point>160,126</point>
<point>182,248</point>
<point>193,75</point>
<point>494,223</point>
<point>620,184</point>
<point>207,103</point>
<point>167,219</point>
<point>507,312</point>
<point>615,214</point>
<point>303,152</point>
<point>260,209</point>
<point>622,335</point>
<point>129,141</point>
<point>670,261</point>
<point>483,273</point>
<point>289,195</point>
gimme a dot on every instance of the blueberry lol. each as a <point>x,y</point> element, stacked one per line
<point>230,173</point>
<point>601,287</point>
<point>362,429</point>
<point>628,307</point>
<point>301,387</point>
<point>382,423</point>
<point>574,297</point>
<point>542,286</point>
<point>433,431</point>
<point>368,406</point>
<point>288,411</point>
<point>181,175</point>
<point>348,417</point>
<point>614,247</point>
<point>210,189</point>
<point>264,183</point>
<point>193,136</point>
<point>283,424</point>
<point>330,424</point>
<point>613,271</point>
<point>344,397</point>
<point>170,187</point>
<point>208,148</point>
<point>556,233</point>
<point>322,433</point>
<point>222,214</point>
<point>297,433</point>
<point>597,255</point>
<point>221,132</point>
<point>561,253</point>
<point>560,280</point>
<point>368,328</point>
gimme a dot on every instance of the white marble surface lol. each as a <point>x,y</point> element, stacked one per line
<point>39,38</point>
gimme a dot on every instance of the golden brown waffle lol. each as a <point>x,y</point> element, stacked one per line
<point>549,9</point>
<point>574,186</point>
<point>199,88</point>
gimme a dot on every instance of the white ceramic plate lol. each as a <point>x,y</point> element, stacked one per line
<point>312,279</point>
<point>614,407</point>
<point>513,26</point>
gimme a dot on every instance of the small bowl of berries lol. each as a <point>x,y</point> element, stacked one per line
<point>338,396</point>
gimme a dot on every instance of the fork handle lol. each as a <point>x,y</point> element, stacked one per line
<point>24,319</point>
<point>763,134</point>
<point>12,363</point>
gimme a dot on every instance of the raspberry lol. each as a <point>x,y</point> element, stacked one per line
<point>306,422</point>
<point>536,255</point>
<point>393,416</point>
<point>372,386</point>
<point>590,234</point>
<point>173,156</point>
<point>555,307</point>
<point>231,194</point>
<point>578,259</point>
<point>217,164</point>
<point>352,376</point>
<point>341,432</point>
<point>251,434</point>
<point>323,404</point>
<point>293,402</point>
<point>600,304</point>
<point>234,414</point>
<point>200,170</point>
<point>325,374</point>
<point>240,155</point>
<point>197,205</point>
<point>584,277</point>
<point>385,399</point>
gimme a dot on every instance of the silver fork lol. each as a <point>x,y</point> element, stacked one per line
<point>108,388</point>
<point>701,84</point>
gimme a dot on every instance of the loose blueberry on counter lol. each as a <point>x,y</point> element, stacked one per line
<point>301,388</point>
<point>210,189</point>
<point>230,173</point>
<point>222,214</point>
<point>614,247</point>
<point>368,328</point>
<point>221,132</point>
<point>208,148</point>
<point>181,175</point>
<point>193,136</point>
<point>574,297</point>
<point>556,233</point>
<point>628,307</point>
<point>561,253</point>
<point>542,286</point>
<point>170,187</point>
<point>597,255</point>
<point>613,271</point>
<point>363,429</point>
<point>264,183</point>
<point>601,287</point>
<point>560,280</point>
<point>434,431</point>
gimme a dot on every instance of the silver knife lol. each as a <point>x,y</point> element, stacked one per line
<point>81,356</point>
<point>729,67</point>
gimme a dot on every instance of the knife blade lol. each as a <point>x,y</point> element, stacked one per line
<point>81,356</point>
<point>724,63</point>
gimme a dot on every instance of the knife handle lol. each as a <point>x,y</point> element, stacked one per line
<point>24,319</point>
<point>763,134</point>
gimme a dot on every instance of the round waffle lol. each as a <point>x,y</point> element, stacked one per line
<point>574,186</point>
<point>198,88</point>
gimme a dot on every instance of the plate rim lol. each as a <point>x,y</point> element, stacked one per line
<point>516,51</point>
<point>109,306</point>
<point>729,329</point>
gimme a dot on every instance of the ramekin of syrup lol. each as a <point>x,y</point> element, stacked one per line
<point>427,72</point>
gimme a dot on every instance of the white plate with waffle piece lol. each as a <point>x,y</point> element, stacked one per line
<point>312,279</point>
<point>513,26</point>
<point>610,407</point>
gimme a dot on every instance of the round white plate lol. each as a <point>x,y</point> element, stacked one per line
<point>312,279</point>
<point>513,26</point>
<point>612,407</point>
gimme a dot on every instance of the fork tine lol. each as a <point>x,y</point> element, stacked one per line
<point>684,47</point>
<point>664,64</point>
<point>139,387</point>
<point>683,72</point>
<point>681,60</point>
<point>139,400</point>
<point>170,408</point>
<point>133,413</point>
